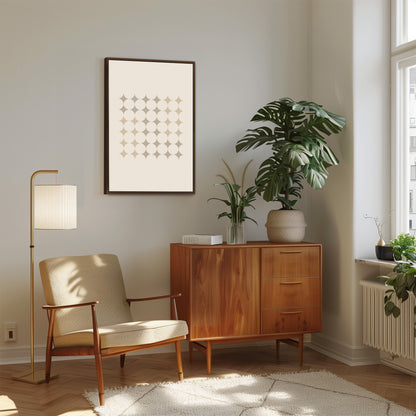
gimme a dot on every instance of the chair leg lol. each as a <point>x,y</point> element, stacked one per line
<point>48,358</point>
<point>301,350</point>
<point>209,353</point>
<point>179,359</point>
<point>100,378</point>
<point>190,348</point>
<point>122,360</point>
<point>48,363</point>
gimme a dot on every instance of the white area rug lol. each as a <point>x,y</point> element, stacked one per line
<point>304,394</point>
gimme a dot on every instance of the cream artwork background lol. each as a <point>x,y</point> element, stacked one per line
<point>150,126</point>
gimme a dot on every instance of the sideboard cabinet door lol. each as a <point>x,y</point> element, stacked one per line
<point>225,297</point>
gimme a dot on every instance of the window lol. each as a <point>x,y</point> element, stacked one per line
<point>403,60</point>
<point>404,17</point>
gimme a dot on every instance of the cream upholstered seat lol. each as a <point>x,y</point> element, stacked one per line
<point>71,285</point>
<point>124,334</point>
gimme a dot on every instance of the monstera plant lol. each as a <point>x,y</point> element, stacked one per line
<point>295,133</point>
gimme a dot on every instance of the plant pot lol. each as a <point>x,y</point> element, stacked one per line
<point>384,253</point>
<point>235,233</point>
<point>285,226</point>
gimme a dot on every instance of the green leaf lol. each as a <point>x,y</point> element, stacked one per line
<point>396,312</point>
<point>296,155</point>
<point>314,177</point>
<point>255,138</point>
<point>391,308</point>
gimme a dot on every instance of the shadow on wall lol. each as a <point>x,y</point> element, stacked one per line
<point>326,232</point>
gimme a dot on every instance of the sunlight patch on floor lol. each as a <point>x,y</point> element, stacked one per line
<point>307,411</point>
<point>280,395</point>
<point>7,406</point>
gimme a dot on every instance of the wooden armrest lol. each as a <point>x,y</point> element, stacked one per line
<point>50,307</point>
<point>51,311</point>
<point>155,297</point>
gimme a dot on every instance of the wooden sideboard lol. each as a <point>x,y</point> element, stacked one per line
<point>256,291</point>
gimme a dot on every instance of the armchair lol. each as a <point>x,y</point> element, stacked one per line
<point>72,285</point>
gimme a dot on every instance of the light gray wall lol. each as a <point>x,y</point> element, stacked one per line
<point>350,74</point>
<point>331,85</point>
<point>372,145</point>
<point>51,117</point>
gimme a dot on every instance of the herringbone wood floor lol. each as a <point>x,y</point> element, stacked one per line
<point>63,396</point>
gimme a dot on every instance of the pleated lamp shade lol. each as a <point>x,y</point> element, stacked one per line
<point>55,207</point>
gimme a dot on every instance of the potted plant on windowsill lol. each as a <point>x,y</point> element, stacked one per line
<point>295,133</point>
<point>402,281</point>
<point>238,200</point>
<point>383,251</point>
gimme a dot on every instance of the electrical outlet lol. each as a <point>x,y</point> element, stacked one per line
<point>10,331</point>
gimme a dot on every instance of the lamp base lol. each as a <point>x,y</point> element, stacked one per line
<point>35,377</point>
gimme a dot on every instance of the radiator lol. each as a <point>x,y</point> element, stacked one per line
<point>389,334</point>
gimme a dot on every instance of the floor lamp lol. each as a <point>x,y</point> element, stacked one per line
<point>52,207</point>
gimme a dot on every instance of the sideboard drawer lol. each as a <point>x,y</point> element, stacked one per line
<point>286,320</point>
<point>291,292</point>
<point>290,262</point>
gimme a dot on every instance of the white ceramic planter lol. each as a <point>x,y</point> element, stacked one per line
<point>285,226</point>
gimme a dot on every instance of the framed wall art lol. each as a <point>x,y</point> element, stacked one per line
<point>149,126</point>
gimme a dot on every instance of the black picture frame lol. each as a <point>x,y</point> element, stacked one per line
<point>149,143</point>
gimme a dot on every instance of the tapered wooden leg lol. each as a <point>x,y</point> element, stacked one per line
<point>277,348</point>
<point>301,350</point>
<point>100,378</point>
<point>48,365</point>
<point>179,359</point>
<point>190,348</point>
<point>208,352</point>
<point>97,353</point>
<point>122,360</point>
<point>48,359</point>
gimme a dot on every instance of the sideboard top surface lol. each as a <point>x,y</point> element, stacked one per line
<point>249,244</point>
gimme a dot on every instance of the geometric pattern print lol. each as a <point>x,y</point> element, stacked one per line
<point>151,126</point>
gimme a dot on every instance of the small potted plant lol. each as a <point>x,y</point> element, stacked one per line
<point>402,281</point>
<point>238,200</point>
<point>383,251</point>
<point>296,134</point>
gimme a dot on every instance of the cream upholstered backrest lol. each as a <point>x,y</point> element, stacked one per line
<point>78,279</point>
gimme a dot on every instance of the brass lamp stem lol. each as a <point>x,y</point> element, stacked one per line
<point>32,377</point>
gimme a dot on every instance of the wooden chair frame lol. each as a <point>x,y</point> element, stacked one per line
<point>99,352</point>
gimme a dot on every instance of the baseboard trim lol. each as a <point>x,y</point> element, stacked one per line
<point>21,355</point>
<point>342,352</point>
<point>402,364</point>
<point>347,354</point>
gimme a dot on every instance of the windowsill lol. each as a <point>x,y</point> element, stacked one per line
<point>376,262</point>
